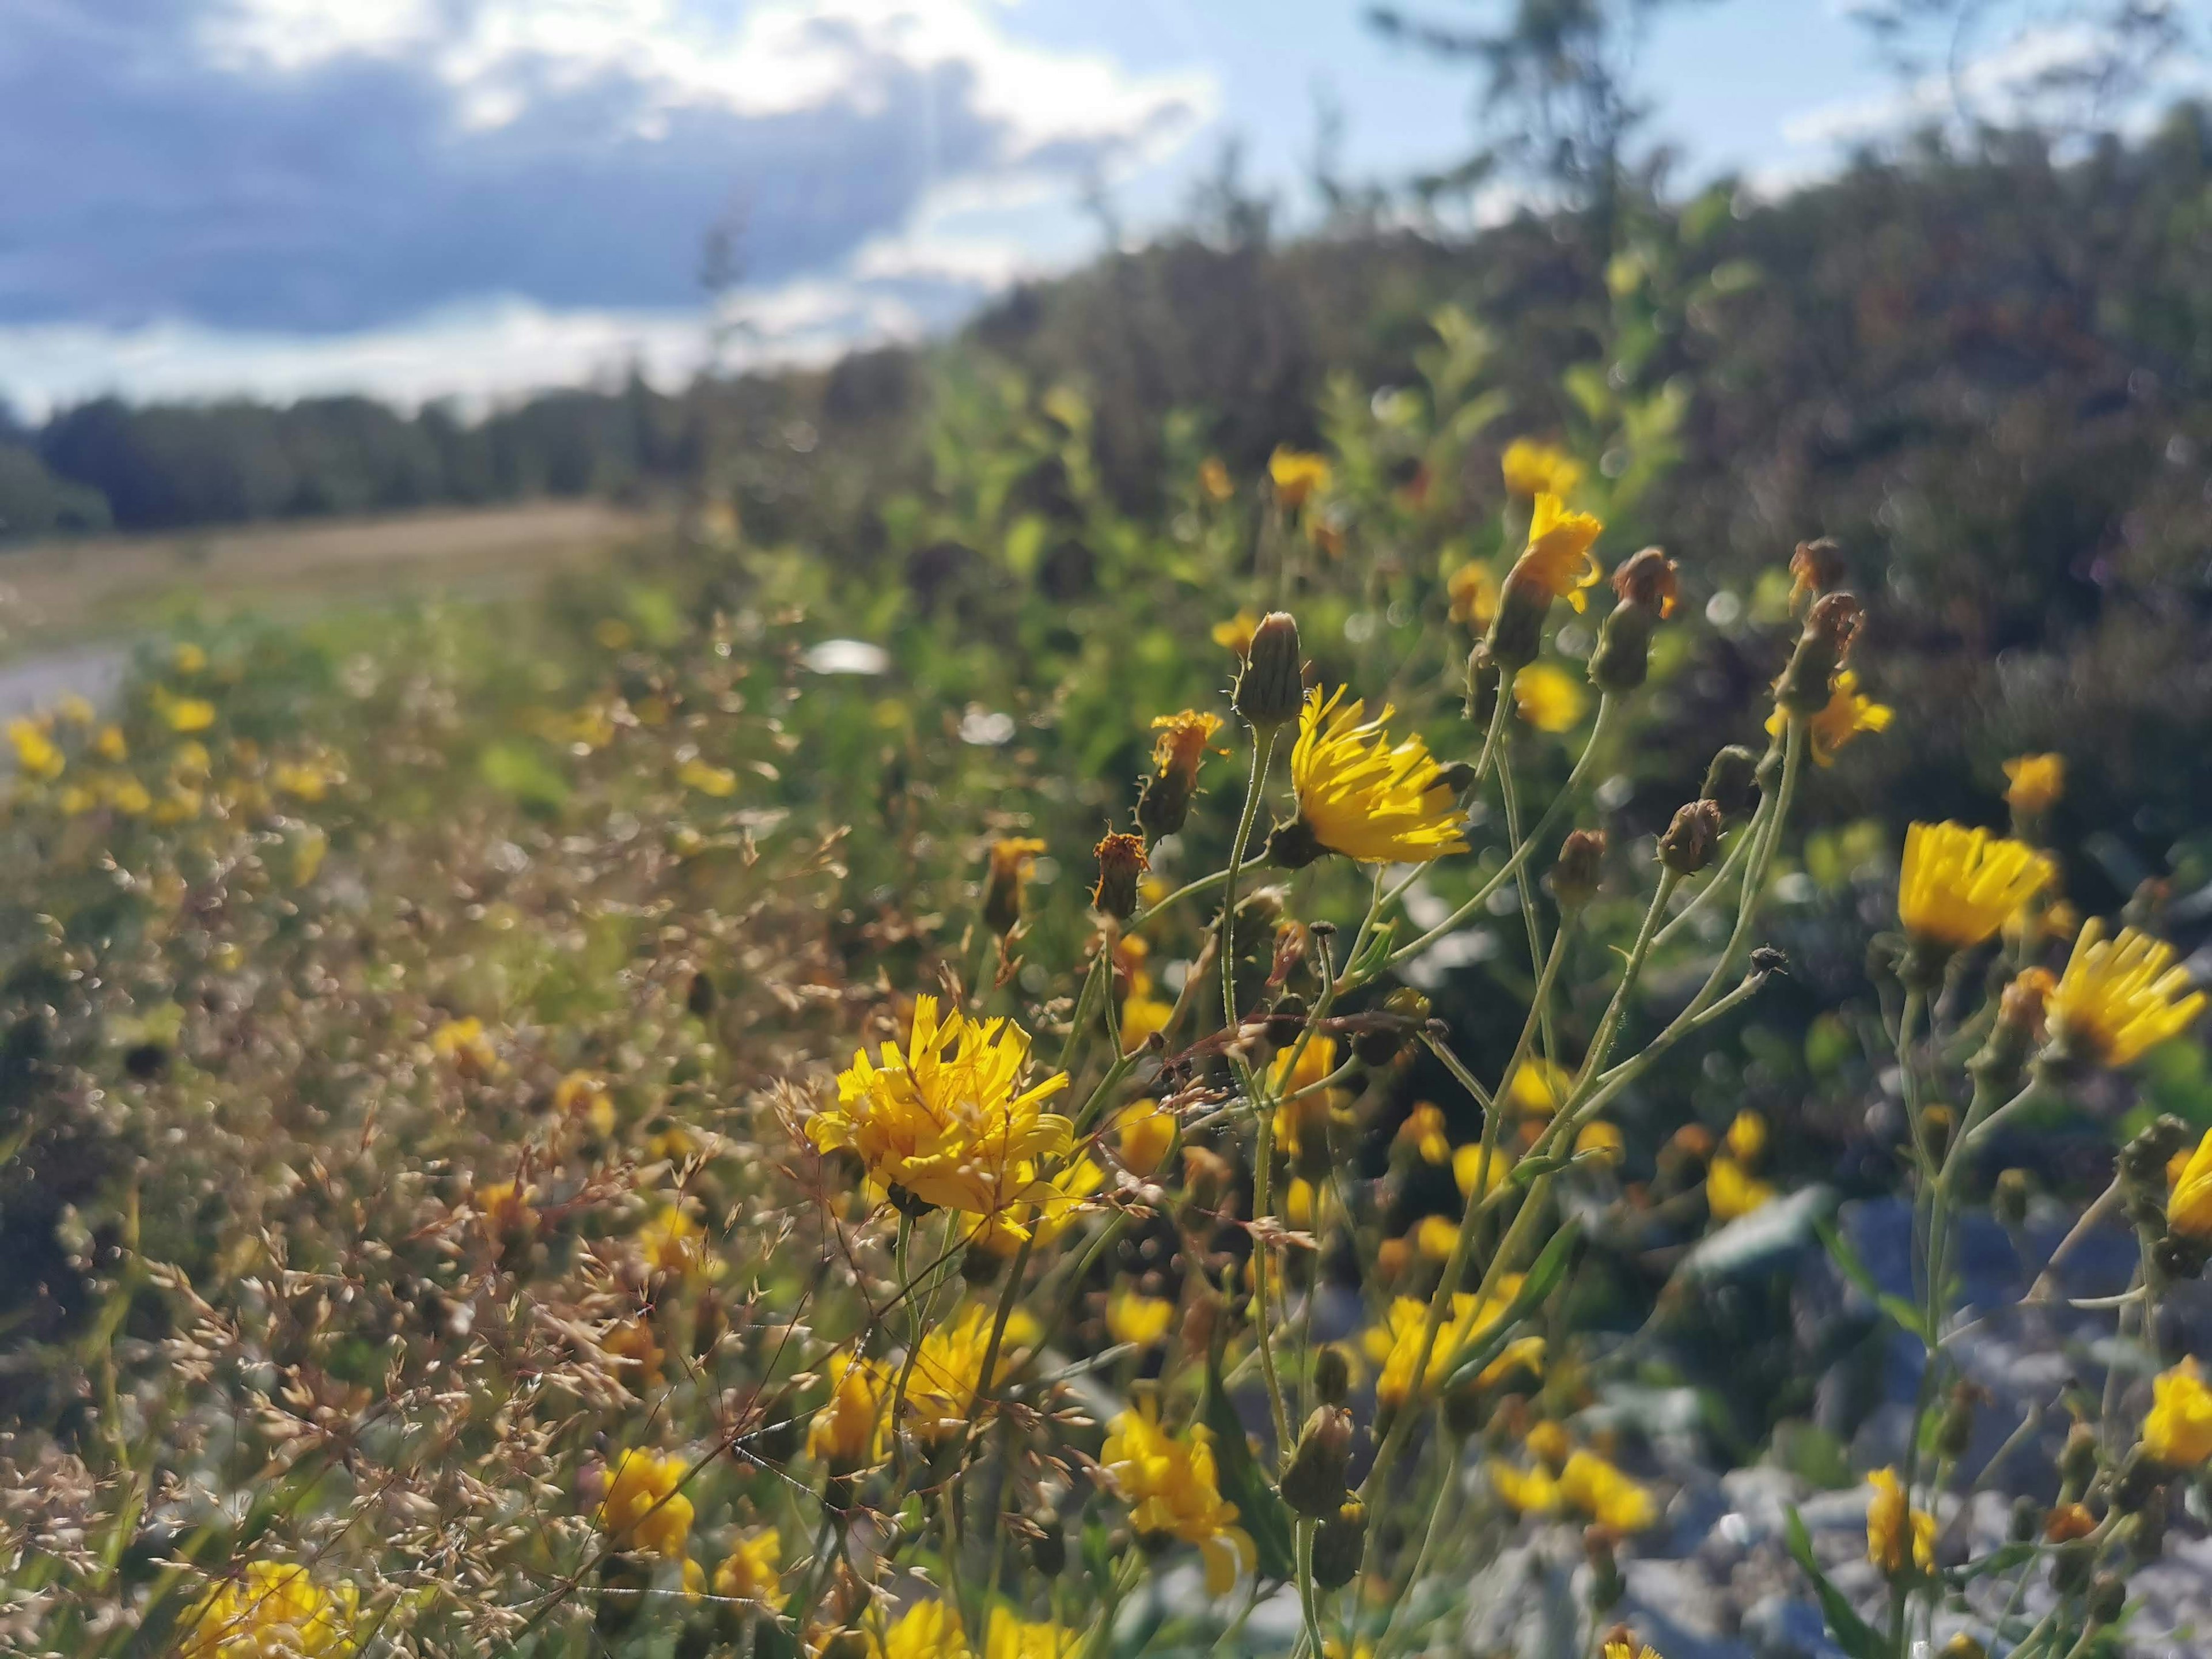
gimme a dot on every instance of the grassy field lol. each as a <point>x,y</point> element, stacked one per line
<point>64,592</point>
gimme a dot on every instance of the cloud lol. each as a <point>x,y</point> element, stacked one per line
<point>295,168</point>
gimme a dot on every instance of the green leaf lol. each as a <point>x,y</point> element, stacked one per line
<point>1853,1634</point>
<point>1259,1511</point>
<point>1904,1312</point>
<point>1847,1258</point>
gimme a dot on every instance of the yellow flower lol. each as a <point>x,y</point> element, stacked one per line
<point>672,1243</point>
<point>927,1629</point>
<point>848,1432</point>
<point>1603,1140</point>
<point>1297,475</point>
<point>1424,1130</point>
<point>1296,1120</point>
<point>37,754</point>
<point>1299,1201</point>
<point>1012,1637</point>
<point>1746,1139</point>
<point>1547,1442</point>
<point>1533,470</point>
<point>2033,782</point>
<point>941,1392</point>
<point>268,1611</point>
<point>1732,1191</point>
<point>1142,1014</point>
<point>1539,1087</point>
<point>1525,1492</point>
<point>190,658</point>
<point>110,745</point>
<point>1603,1492</point>
<point>2189,1206</point>
<point>1549,697</point>
<point>1140,1320</point>
<point>1215,480</point>
<point>1848,713</point>
<point>504,1209</point>
<point>1436,1236</point>
<point>1959,886</point>
<point>643,1508</point>
<point>183,714</point>
<point>1068,1198</point>
<point>581,1094</point>
<point>1395,1344</point>
<point>946,1120</point>
<point>1474,593</point>
<point>1181,742</point>
<point>2177,1432</point>
<point>1467,1166</point>
<point>716,781</point>
<point>1143,1134</point>
<point>1558,561</point>
<point>1365,798</point>
<point>1171,1489</point>
<point>1619,1646</point>
<point>2119,998</point>
<point>463,1045</point>
<point>1892,1528</point>
<point>632,1342</point>
<point>1236,634</point>
<point>751,1571</point>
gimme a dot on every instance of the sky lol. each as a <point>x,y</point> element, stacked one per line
<point>417,199</point>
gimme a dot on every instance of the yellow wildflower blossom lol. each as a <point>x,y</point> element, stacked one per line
<point>37,754</point>
<point>110,744</point>
<point>708,779</point>
<point>1140,1320</point>
<point>1068,1197</point>
<point>1144,1131</point>
<point>189,659</point>
<point>1558,561</point>
<point>1473,591</point>
<point>849,1431</point>
<point>1467,1166</point>
<point>183,714</point>
<point>1424,1130</point>
<point>1746,1139</point>
<point>2189,1206</point>
<point>582,1096</point>
<point>1361,796</point>
<point>1602,1140</point>
<point>643,1509</point>
<point>1525,1492</point>
<point>941,1393</point>
<point>2033,782</point>
<point>1436,1236</point>
<point>2177,1432</point>
<point>1172,1490</point>
<point>1897,1536</point>
<point>1532,470</point>
<point>752,1570</point>
<point>1549,698</point>
<point>1236,634</point>
<point>1732,1191</point>
<point>1622,1644</point>
<point>462,1044</point>
<point>1607,1496</point>
<point>1539,1088</point>
<point>1143,1014</point>
<point>1182,741</point>
<point>1395,1344</point>
<point>1849,712</point>
<point>1959,885</point>
<point>1305,1118</point>
<point>946,1120</point>
<point>1213,479</point>
<point>672,1243</point>
<point>270,1609</point>
<point>1297,475</point>
<point>2119,998</point>
<point>927,1629</point>
<point>1012,1637</point>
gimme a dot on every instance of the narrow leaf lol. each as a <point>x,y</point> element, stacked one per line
<point>1853,1634</point>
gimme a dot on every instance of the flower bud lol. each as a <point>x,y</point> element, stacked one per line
<point>2146,1527</point>
<point>1936,1124</point>
<point>1829,626</point>
<point>2139,1482</point>
<point>1482,679</point>
<point>1581,863</point>
<point>1954,1431</point>
<point>2108,1597</point>
<point>844,1644</point>
<point>1271,689</point>
<point>2067,1522</point>
<point>2026,1520</point>
<point>1011,858</point>
<point>1963,1646</point>
<point>1164,802</point>
<point>1332,1376</point>
<point>1516,632</point>
<point>1313,1483</point>
<point>1121,861</point>
<point>2071,1566</point>
<point>1380,1044</point>
<point>1606,1586</point>
<point>1649,589</point>
<point>1732,781</point>
<point>1816,568</point>
<point>1339,1542</point>
<point>2142,1165</point>
<point>2017,1032</point>
<point>1688,845</point>
<point>1293,846</point>
<point>2077,1463</point>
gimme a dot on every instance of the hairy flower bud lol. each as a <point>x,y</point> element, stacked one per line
<point>1689,843</point>
<point>1314,1486</point>
<point>1649,590</point>
<point>1829,626</point>
<point>1272,688</point>
<point>1581,862</point>
<point>1732,781</point>
<point>2077,1463</point>
<point>1121,861</point>
<point>1606,1586</point>
<point>1954,1431</point>
<point>1816,568</point>
<point>2108,1597</point>
<point>1332,1376</point>
<point>1339,1543</point>
<point>2009,1201</point>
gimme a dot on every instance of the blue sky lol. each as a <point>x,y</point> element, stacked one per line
<point>417,198</point>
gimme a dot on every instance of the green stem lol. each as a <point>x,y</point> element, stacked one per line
<point>1263,752</point>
